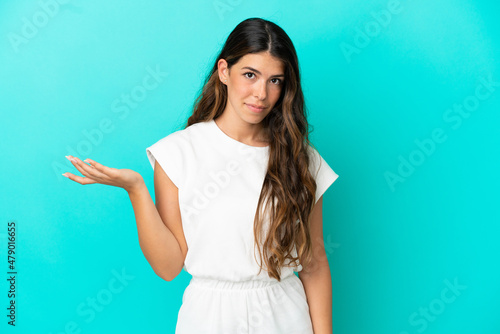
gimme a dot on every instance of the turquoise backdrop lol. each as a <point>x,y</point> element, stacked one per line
<point>404,100</point>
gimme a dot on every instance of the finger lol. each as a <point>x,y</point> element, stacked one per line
<point>100,167</point>
<point>79,179</point>
<point>88,170</point>
<point>76,162</point>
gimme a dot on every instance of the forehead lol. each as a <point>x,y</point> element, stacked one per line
<point>263,62</point>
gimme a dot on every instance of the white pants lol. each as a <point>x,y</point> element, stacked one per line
<point>212,306</point>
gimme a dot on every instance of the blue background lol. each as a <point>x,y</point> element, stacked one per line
<point>403,222</point>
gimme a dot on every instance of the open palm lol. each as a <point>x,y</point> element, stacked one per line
<point>98,173</point>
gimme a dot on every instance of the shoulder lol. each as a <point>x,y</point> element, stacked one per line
<point>319,167</point>
<point>176,152</point>
<point>183,137</point>
<point>322,172</point>
<point>315,159</point>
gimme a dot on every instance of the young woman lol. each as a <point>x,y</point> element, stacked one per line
<point>238,197</point>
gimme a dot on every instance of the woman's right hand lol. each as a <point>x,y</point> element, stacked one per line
<point>98,173</point>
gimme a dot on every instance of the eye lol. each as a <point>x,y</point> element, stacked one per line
<point>248,73</point>
<point>277,82</point>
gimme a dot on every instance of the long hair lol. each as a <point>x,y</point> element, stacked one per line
<point>289,189</point>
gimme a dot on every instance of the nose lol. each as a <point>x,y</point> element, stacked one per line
<point>261,89</point>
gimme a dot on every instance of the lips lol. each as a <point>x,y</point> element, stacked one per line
<point>255,108</point>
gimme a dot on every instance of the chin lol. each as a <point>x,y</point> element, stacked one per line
<point>254,119</point>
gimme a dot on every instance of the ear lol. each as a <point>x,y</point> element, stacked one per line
<point>222,69</point>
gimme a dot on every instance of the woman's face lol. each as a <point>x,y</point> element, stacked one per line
<point>256,80</point>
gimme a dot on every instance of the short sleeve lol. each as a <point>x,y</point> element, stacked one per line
<point>168,152</point>
<point>321,171</point>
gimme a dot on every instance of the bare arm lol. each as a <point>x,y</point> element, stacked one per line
<point>158,243</point>
<point>317,279</point>
<point>159,227</point>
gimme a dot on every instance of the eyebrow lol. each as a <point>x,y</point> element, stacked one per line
<point>253,69</point>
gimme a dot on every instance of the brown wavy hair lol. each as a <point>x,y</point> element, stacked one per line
<point>288,181</point>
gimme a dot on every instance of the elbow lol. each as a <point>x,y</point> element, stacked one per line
<point>166,278</point>
<point>316,268</point>
<point>167,275</point>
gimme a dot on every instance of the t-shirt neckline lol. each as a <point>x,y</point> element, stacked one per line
<point>227,138</point>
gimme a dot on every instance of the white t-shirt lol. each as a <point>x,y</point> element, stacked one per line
<point>219,180</point>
